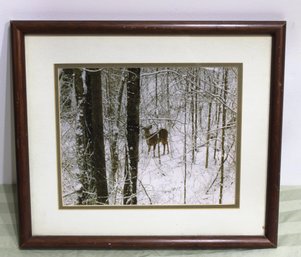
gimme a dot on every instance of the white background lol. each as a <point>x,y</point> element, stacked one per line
<point>159,10</point>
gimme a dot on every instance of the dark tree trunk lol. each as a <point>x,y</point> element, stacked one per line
<point>208,137</point>
<point>195,139</point>
<point>217,114</point>
<point>95,127</point>
<point>133,121</point>
<point>89,138</point>
<point>168,100</point>
<point>192,105</point>
<point>224,117</point>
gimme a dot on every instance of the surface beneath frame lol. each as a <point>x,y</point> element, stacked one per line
<point>289,233</point>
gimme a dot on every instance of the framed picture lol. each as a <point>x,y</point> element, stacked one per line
<point>148,134</point>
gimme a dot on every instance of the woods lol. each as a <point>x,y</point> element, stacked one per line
<point>113,151</point>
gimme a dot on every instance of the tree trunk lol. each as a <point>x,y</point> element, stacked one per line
<point>168,100</point>
<point>95,126</point>
<point>114,139</point>
<point>224,116</point>
<point>217,92</point>
<point>192,105</point>
<point>89,138</point>
<point>195,139</point>
<point>133,123</point>
<point>208,137</point>
<point>157,112</point>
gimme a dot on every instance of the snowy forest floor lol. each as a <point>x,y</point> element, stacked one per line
<point>165,182</point>
<point>162,181</point>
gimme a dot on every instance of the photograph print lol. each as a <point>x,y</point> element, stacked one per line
<point>147,135</point>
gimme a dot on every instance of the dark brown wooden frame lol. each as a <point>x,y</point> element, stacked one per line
<point>276,29</point>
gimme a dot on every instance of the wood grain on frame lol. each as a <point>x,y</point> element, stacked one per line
<point>276,29</point>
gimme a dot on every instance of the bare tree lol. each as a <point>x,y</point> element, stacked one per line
<point>90,142</point>
<point>133,124</point>
<point>224,117</point>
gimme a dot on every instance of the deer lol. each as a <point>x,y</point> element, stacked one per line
<point>152,139</point>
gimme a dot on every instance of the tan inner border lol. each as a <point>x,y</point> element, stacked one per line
<point>239,66</point>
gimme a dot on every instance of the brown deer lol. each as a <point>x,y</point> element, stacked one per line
<point>152,139</point>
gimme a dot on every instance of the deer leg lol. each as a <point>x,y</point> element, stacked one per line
<point>167,147</point>
<point>149,148</point>
<point>163,149</point>
<point>154,148</point>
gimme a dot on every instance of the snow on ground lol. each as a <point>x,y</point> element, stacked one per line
<point>164,183</point>
<point>161,181</point>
